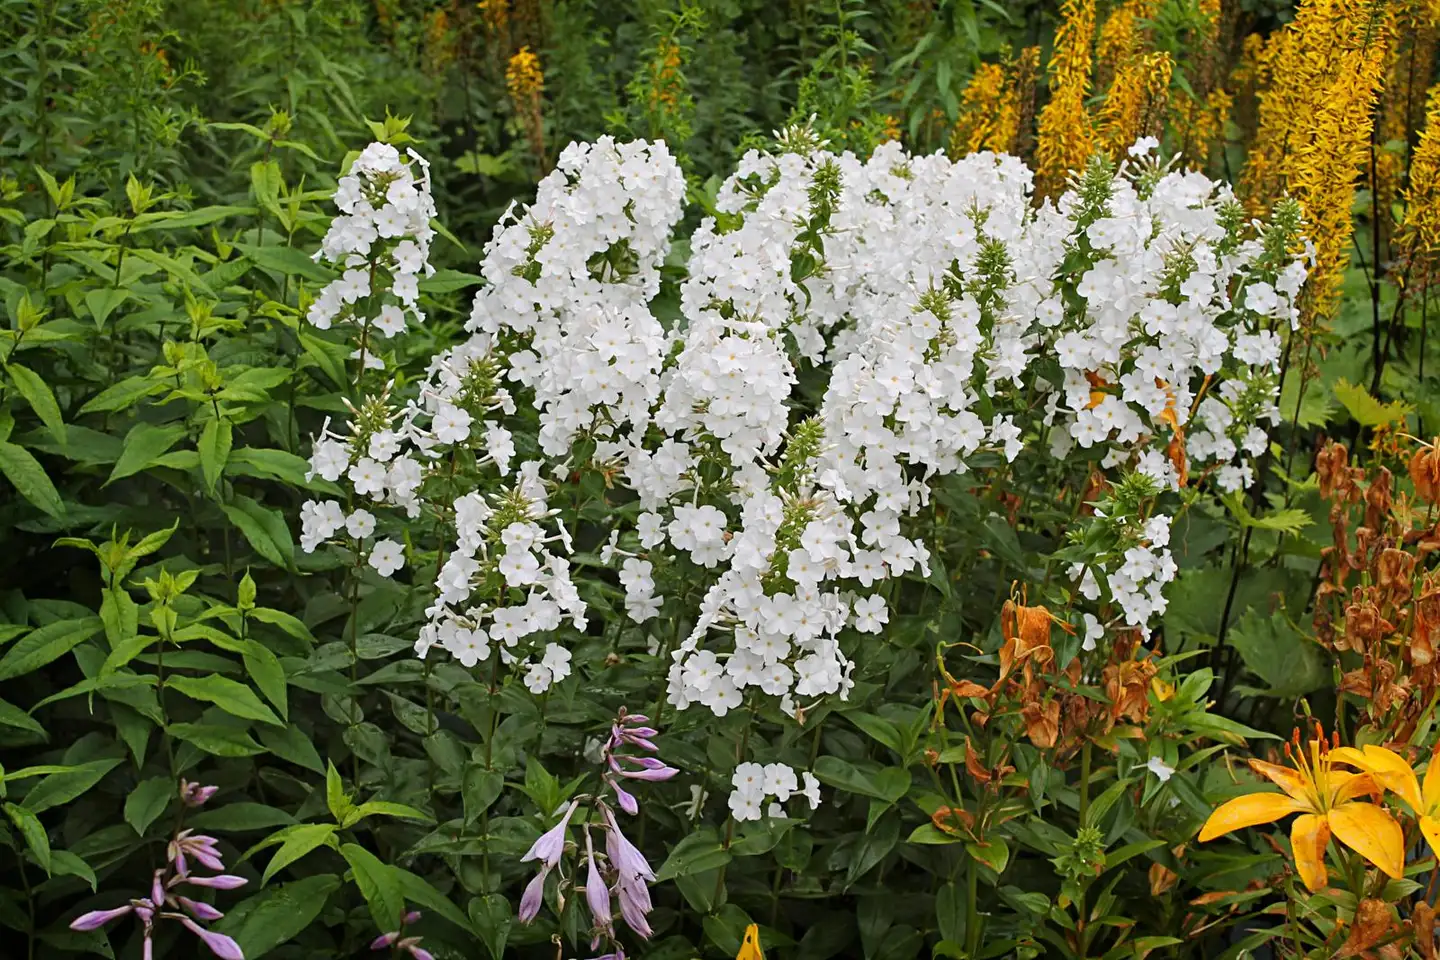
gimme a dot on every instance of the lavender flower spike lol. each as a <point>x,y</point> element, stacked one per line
<point>96,919</point>
<point>552,842</point>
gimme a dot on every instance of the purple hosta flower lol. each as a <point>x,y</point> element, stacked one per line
<point>202,848</point>
<point>533,896</point>
<point>96,919</point>
<point>632,874</point>
<point>399,941</point>
<point>597,894</point>
<point>626,732</point>
<point>198,909</point>
<point>219,944</point>
<point>552,842</point>
<point>224,881</point>
<point>194,795</point>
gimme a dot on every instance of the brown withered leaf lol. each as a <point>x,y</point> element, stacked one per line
<point>1027,636</point>
<point>1042,722</point>
<point>1422,925</point>
<point>973,766</point>
<point>1162,879</point>
<point>1373,933</point>
<point>1425,472</point>
<point>954,821</point>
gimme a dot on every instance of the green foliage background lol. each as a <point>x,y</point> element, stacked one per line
<point>165,171</point>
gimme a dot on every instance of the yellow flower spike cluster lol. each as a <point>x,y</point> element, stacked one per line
<point>994,106</point>
<point>1135,102</point>
<point>1420,236</point>
<point>1407,74</point>
<point>1120,39</point>
<point>1066,136</point>
<point>1317,80</point>
<point>1328,802</point>
<point>525,81</point>
<point>523,77</point>
<point>989,113</point>
<point>495,14</point>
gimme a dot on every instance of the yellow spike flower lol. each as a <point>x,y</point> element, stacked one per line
<point>1326,800</point>
<point>1134,101</point>
<point>523,76</point>
<point>1066,136</point>
<point>750,948</point>
<point>1421,233</point>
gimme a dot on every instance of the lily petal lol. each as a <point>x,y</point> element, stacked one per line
<point>1430,793</point>
<point>1290,780</point>
<point>1388,768</point>
<point>1347,786</point>
<point>1431,828</point>
<point>1372,833</point>
<point>1308,838</point>
<point>1248,811</point>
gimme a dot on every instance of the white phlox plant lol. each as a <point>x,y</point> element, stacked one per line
<point>851,333</point>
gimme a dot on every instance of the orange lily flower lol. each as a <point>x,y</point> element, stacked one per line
<point>1397,776</point>
<point>1325,799</point>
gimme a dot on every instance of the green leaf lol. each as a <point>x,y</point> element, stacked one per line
<point>264,668</point>
<point>29,478</point>
<point>293,745</point>
<point>994,853</point>
<point>277,915</point>
<point>480,789</point>
<point>385,808</point>
<point>298,842</point>
<point>46,644</point>
<point>378,885</point>
<point>217,740</point>
<point>214,448</point>
<point>448,281</point>
<point>143,446</point>
<point>60,788</point>
<point>36,839</point>
<point>418,890</point>
<point>63,863</point>
<point>240,817</point>
<point>287,261</point>
<point>13,716</point>
<point>101,303</point>
<point>38,394</point>
<point>329,357</point>
<point>492,917</point>
<point>696,853</point>
<point>122,395</point>
<point>147,801</point>
<point>265,182</point>
<point>1289,661</point>
<point>335,796</point>
<point>1365,408</point>
<point>229,695</point>
<point>264,529</point>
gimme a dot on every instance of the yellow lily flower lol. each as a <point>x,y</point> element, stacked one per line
<point>1325,799</point>
<point>1397,776</point>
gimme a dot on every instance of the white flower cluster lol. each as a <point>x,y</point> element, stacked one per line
<point>752,784</point>
<point>380,241</point>
<point>933,312</point>
<point>575,273</point>
<point>1137,584</point>
<point>502,552</point>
